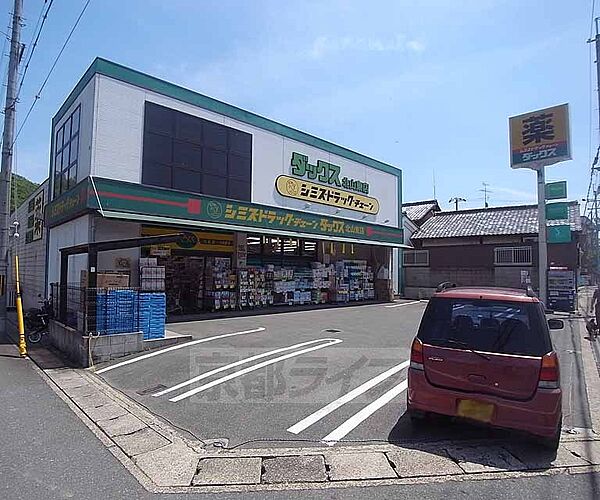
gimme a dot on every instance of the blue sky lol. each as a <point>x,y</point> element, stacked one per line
<point>422,84</point>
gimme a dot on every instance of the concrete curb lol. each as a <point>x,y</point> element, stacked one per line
<point>164,461</point>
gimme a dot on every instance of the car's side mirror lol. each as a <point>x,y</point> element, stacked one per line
<point>556,324</point>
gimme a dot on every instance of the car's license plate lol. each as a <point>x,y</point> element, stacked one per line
<point>475,410</point>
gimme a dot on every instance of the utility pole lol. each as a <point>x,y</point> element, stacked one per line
<point>456,200</point>
<point>7,154</point>
<point>594,217</point>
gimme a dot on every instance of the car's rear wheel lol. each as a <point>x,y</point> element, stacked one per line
<point>553,442</point>
<point>417,417</point>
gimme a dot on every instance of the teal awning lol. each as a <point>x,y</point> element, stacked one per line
<point>197,224</point>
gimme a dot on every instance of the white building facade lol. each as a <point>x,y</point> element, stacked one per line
<point>134,155</point>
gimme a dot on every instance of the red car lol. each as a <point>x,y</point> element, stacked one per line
<point>485,354</point>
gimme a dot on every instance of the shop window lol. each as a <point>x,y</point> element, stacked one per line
<point>157,148</point>
<point>309,248</point>
<point>176,143</point>
<point>412,258</point>
<point>189,128</point>
<point>254,244</point>
<point>156,174</point>
<point>239,167</point>
<point>214,162</point>
<point>66,154</point>
<point>215,136</point>
<point>240,142</point>
<point>238,190</point>
<point>272,245</point>
<point>158,119</point>
<point>186,180</point>
<point>291,246</point>
<point>187,155</point>
<point>214,185</point>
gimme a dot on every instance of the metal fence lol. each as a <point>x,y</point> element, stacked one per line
<point>97,310</point>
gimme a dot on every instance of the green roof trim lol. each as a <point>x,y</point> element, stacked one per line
<point>151,83</point>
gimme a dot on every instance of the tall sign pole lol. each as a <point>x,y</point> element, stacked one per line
<point>538,139</point>
<point>542,240</point>
<point>7,154</point>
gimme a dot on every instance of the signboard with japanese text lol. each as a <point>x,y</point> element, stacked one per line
<point>557,211</point>
<point>559,234</point>
<point>330,176</point>
<point>136,201</point>
<point>325,195</point>
<point>35,218</point>
<point>556,190</point>
<point>540,138</point>
<point>193,240</point>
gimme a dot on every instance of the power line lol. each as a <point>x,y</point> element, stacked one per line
<point>38,95</point>
<point>43,16</point>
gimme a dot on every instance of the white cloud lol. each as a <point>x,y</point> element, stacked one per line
<point>415,45</point>
<point>323,46</point>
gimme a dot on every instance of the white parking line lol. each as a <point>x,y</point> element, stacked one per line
<point>334,405</point>
<point>404,304</point>
<point>354,421</point>
<point>178,346</point>
<point>221,380</point>
<point>232,365</point>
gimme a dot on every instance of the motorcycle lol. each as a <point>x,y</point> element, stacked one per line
<point>37,321</point>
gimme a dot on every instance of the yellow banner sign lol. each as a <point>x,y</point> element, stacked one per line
<point>540,138</point>
<point>325,195</point>
<point>193,240</point>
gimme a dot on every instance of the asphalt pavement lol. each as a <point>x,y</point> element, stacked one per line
<point>48,453</point>
<point>301,378</point>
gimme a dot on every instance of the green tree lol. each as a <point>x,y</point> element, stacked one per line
<point>21,188</point>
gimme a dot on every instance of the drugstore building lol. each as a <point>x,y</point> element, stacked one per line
<point>270,214</point>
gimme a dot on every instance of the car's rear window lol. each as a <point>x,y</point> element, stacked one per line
<point>485,325</point>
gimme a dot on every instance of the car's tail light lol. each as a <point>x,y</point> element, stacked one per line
<point>550,372</point>
<point>416,355</point>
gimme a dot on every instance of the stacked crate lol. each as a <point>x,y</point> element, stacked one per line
<point>116,311</point>
<point>152,313</point>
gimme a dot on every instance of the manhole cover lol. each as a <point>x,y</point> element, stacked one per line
<point>332,330</point>
<point>151,390</point>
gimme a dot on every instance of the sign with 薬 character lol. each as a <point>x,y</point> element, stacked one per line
<point>540,138</point>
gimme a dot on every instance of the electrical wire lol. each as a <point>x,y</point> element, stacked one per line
<point>34,41</point>
<point>38,95</point>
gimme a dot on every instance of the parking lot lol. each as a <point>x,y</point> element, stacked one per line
<point>329,376</point>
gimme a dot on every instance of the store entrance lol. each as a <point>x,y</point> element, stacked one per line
<point>209,272</point>
<point>191,271</point>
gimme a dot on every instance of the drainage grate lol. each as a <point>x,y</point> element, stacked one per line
<point>332,330</point>
<point>151,390</point>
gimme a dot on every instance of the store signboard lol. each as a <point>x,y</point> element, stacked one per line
<point>192,240</point>
<point>556,190</point>
<point>128,198</point>
<point>557,211</point>
<point>324,183</point>
<point>559,234</point>
<point>35,218</point>
<point>69,205</point>
<point>540,138</point>
<point>325,172</point>
<point>325,195</point>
